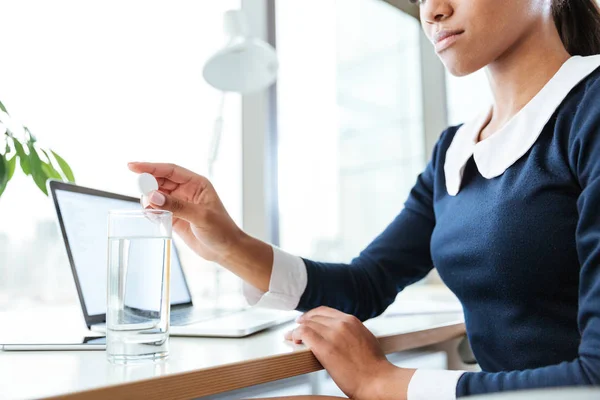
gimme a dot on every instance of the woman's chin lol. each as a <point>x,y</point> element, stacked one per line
<point>458,64</point>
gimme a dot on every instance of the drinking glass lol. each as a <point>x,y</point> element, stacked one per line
<point>139,266</point>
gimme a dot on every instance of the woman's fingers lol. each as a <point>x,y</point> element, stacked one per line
<point>170,172</point>
<point>324,316</point>
<point>179,208</point>
<point>165,184</point>
<point>325,312</point>
<point>324,326</point>
<point>322,319</point>
<point>312,334</point>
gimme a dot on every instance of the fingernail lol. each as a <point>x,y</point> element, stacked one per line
<point>144,201</point>
<point>157,198</point>
<point>299,319</point>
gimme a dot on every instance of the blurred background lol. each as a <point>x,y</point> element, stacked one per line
<point>319,164</point>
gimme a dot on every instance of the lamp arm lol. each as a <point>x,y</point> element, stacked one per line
<point>215,140</point>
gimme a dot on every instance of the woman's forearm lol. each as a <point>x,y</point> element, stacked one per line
<point>252,260</point>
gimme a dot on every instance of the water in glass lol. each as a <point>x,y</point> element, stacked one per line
<point>138,298</point>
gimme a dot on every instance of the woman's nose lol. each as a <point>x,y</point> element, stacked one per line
<point>434,11</point>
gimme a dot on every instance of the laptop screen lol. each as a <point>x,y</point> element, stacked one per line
<point>85,221</point>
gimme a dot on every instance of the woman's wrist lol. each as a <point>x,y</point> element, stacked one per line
<point>250,259</point>
<point>233,247</point>
<point>388,383</point>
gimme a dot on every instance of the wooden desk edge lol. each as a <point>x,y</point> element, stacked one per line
<point>224,378</point>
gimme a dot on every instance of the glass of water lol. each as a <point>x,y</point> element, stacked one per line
<point>139,266</point>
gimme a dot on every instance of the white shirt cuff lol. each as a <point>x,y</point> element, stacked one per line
<point>288,282</point>
<point>430,384</point>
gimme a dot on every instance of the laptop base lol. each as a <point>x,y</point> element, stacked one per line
<point>235,325</point>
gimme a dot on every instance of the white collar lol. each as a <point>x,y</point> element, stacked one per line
<point>497,153</point>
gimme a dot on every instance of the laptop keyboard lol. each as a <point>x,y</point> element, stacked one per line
<point>191,315</point>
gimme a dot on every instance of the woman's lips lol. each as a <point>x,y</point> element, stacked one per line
<point>444,39</point>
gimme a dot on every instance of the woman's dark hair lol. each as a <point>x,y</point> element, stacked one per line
<point>578,23</point>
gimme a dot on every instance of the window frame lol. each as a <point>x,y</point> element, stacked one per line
<point>260,205</point>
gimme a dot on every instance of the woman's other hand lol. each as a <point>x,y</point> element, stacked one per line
<point>204,224</point>
<point>351,355</point>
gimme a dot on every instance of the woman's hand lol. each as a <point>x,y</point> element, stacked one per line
<point>351,355</point>
<point>200,217</point>
<point>203,223</point>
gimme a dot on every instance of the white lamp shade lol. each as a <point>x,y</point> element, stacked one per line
<point>246,64</point>
<point>243,66</point>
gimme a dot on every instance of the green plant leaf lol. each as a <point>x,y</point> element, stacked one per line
<point>49,159</point>
<point>50,169</point>
<point>12,165</point>
<point>37,172</point>
<point>30,162</point>
<point>51,172</point>
<point>3,173</point>
<point>32,138</point>
<point>23,157</point>
<point>67,171</point>
<point>47,156</point>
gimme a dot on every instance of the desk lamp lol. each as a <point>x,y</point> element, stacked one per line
<point>245,65</point>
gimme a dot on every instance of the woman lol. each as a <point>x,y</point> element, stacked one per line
<point>507,211</point>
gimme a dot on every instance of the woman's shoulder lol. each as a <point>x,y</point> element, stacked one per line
<point>579,115</point>
<point>591,84</point>
<point>577,124</point>
<point>584,99</point>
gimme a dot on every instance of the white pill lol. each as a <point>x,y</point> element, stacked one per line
<point>147,183</point>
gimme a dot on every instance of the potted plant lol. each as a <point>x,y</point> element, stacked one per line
<point>34,161</point>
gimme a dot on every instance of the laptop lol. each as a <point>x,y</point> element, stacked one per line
<point>82,216</point>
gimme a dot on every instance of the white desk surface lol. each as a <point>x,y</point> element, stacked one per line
<point>47,374</point>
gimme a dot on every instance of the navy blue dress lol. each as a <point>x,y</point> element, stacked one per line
<point>521,251</point>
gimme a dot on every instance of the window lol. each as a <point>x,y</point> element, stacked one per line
<point>350,122</point>
<point>104,83</point>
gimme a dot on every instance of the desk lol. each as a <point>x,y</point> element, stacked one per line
<point>197,366</point>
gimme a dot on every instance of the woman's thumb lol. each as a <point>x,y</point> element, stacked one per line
<point>179,208</point>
